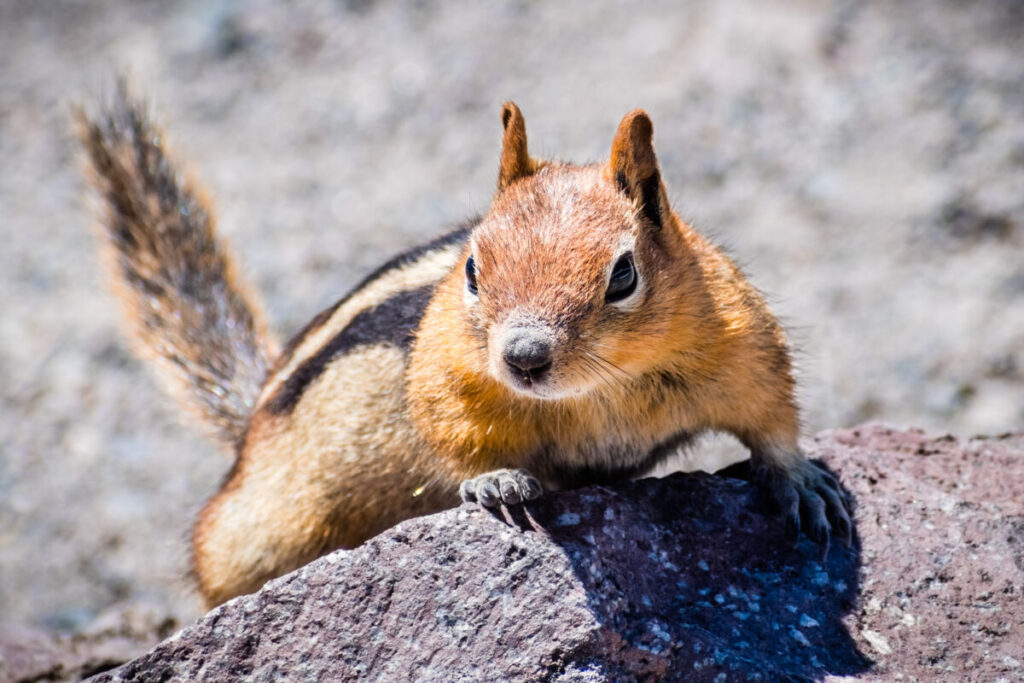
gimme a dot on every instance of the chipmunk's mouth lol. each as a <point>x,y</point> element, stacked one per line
<point>528,378</point>
<point>526,385</point>
<point>532,381</point>
<point>543,382</point>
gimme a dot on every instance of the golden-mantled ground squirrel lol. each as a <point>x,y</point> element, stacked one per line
<point>578,332</point>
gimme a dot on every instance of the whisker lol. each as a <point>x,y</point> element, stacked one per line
<point>603,370</point>
<point>610,364</point>
<point>595,370</point>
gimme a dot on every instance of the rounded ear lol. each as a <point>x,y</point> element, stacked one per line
<point>633,165</point>
<point>515,159</point>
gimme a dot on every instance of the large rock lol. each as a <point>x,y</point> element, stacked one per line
<point>682,578</point>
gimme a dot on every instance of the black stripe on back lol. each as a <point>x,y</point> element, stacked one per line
<point>456,236</point>
<point>392,321</point>
<point>315,324</point>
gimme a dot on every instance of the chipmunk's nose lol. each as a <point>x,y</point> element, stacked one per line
<point>528,355</point>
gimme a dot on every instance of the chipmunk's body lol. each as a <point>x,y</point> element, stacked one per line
<point>579,332</point>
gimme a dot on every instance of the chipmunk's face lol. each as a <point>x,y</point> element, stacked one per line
<point>557,283</point>
<point>576,280</point>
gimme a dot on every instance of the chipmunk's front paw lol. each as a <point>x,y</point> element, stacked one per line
<point>809,498</point>
<point>510,487</point>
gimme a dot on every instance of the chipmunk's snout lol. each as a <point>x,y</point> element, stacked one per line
<point>527,353</point>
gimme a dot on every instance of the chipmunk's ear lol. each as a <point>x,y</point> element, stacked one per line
<point>515,159</point>
<point>634,167</point>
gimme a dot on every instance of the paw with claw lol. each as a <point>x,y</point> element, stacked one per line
<point>809,498</point>
<point>510,487</point>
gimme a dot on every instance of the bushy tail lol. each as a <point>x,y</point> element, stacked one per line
<point>186,307</point>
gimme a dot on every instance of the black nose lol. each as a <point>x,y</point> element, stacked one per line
<point>528,355</point>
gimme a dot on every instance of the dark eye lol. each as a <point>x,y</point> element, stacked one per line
<point>623,280</point>
<point>471,275</point>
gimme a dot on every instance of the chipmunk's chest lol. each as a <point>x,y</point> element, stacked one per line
<point>601,460</point>
<point>600,439</point>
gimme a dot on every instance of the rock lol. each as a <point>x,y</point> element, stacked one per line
<point>941,523</point>
<point>29,654</point>
<point>687,577</point>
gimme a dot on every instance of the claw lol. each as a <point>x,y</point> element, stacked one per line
<point>782,492</point>
<point>487,492</point>
<point>813,508</point>
<point>824,547</point>
<point>531,487</point>
<point>510,487</point>
<point>809,498</point>
<point>510,494</point>
<point>837,515</point>
<point>791,513</point>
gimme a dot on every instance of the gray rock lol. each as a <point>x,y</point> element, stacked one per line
<point>688,577</point>
<point>126,632</point>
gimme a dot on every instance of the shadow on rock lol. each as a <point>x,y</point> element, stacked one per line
<point>692,576</point>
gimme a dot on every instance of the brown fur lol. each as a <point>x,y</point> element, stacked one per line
<point>354,431</point>
<point>189,310</point>
<point>515,159</point>
<point>701,322</point>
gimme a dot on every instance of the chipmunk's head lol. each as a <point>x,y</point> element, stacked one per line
<point>573,276</point>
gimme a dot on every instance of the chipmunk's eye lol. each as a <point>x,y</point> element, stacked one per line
<point>471,275</point>
<point>623,280</point>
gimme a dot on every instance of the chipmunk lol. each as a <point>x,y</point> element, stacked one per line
<point>578,332</point>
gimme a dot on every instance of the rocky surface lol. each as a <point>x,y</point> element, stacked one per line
<point>942,530</point>
<point>862,159</point>
<point>32,654</point>
<point>683,578</point>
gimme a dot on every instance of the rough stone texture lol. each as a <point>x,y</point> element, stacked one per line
<point>680,578</point>
<point>942,528</point>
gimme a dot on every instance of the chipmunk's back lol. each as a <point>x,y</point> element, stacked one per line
<point>385,308</point>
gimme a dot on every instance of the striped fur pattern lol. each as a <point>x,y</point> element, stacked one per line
<point>492,362</point>
<point>187,308</point>
<point>331,456</point>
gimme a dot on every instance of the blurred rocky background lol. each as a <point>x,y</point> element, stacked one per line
<point>863,161</point>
